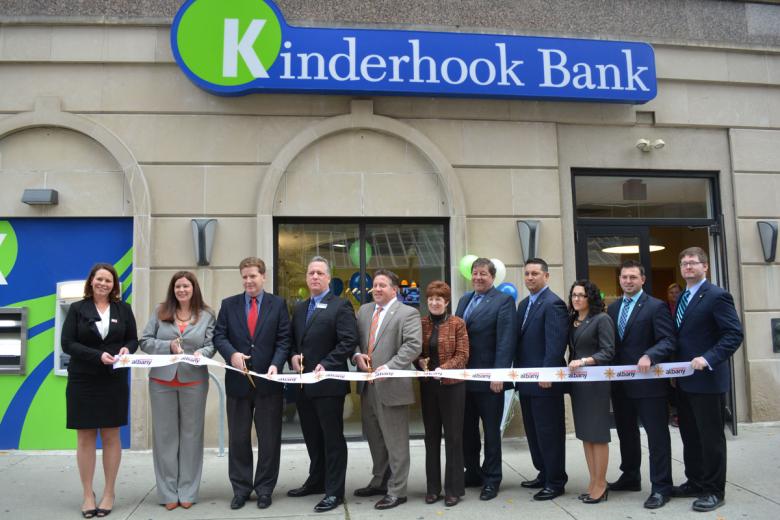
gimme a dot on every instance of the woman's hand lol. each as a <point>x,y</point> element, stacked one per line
<point>176,346</point>
<point>577,363</point>
<point>107,359</point>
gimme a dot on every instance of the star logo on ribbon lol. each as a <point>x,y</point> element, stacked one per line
<point>466,374</point>
<point>561,374</point>
<point>174,358</point>
<point>513,375</point>
<point>318,376</point>
<point>609,373</point>
<point>124,361</point>
<point>658,371</point>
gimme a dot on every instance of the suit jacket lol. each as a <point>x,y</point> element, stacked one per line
<point>398,342</point>
<point>269,345</point>
<point>453,344</point>
<point>81,339</point>
<point>541,341</point>
<point>594,338</point>
<point>197,337</point>
<point>491,328</point>
<point>328,339</point>
<point>710,328</point>
<point>649,331</point>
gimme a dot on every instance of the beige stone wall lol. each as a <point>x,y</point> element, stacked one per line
<point>168,152</point>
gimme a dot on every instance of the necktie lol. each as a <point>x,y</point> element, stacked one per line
<point>372,330</point>
<point>623,316</point>
<point>682,305</point>
<point>310,311</point>
<point>251,319</point>
<point>527,311</point>
<point>471,306</point>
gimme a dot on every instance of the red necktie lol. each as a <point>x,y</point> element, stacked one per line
<point>372,330</point>
<point>251,320</point>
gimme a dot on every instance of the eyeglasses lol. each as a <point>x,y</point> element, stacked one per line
<point>690,264</point>
<point>575,296</point>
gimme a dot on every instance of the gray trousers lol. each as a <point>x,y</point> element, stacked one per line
<point>387,430</point>
<point>177,415</point>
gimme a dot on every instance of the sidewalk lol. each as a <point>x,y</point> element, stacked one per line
<point>45,485</point>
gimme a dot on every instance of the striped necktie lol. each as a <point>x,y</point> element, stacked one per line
<point>310,310</point>
<point>372,330</point>
<point>681,306</point>
<point>623,316</point>
<point>472,305</point>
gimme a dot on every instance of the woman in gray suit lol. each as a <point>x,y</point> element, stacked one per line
<point>182,324</point>
<point>591,342</point>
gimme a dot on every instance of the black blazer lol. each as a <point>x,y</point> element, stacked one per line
<point>710,328</point>
<point>270,344</point>
<point>649,330</point>
<point>81,339</point>
<point>491,328</point>
<point>541,342</point>
<point>328,339</point>
<point>594,338</point>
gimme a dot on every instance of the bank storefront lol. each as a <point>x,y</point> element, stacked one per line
<point>224,130</point>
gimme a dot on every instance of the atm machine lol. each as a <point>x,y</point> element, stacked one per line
<point>13,340</point>
<point>67,293</point>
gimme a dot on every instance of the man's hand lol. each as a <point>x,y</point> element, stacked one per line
<point>271,371</point>
<point>381,369</point>
<point>497,387</point>
<point>545,384</point>
<point>699,363</point>
<point>295,361</point>
<point>319,368</point>
<point>107,359</point>
<point>644,364</point>
<point>237,360</point>
<point>363,362</point>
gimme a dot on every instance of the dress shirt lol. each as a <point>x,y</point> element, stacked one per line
<point>631,304</point>
<point>248,302</point>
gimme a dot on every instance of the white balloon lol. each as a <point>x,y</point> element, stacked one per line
<point>500,271</point>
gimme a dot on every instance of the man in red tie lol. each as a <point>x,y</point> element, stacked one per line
<point>253,332</point>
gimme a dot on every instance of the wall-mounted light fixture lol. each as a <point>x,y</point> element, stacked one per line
<point>528,231</point>
<point>41,197</point>
<point>767,232</point>
<point>203,231</point>
<point>646,145</point>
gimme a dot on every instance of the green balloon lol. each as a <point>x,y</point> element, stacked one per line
<point>464,266</point>
<point>303,293</point>
<point>354,253</point>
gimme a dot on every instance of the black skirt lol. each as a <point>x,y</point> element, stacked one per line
<point>97,401</point>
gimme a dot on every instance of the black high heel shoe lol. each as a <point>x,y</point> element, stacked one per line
<point>90,513</point>
<point>603,498</point>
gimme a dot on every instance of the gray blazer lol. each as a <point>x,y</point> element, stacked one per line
<point>157,337</point>
<point>595,338</point>
<point>398,343</point>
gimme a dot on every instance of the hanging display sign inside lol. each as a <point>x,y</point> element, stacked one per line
<point>245,46</point>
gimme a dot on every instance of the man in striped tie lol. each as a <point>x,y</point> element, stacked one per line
<point>708,334</point>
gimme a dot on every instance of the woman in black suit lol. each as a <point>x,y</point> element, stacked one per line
<point>96,331</point>
<point>591,342</point>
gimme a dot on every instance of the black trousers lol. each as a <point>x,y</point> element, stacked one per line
<point>487,407</point>
<point>266,413</point>
<point>654,413</point>
<point>442,407</point>
<point>545,428</point>
<point>702,420</point>
<point>322,424</point>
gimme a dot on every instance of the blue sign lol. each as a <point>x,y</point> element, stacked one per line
<point>245,46</point>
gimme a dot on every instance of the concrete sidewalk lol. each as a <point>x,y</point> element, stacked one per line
<point>45,485</point>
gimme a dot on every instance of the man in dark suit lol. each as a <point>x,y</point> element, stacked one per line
<point>541,342</point>
<point>708,334</point>
<point>490,322</point>
<point>644,337</point>
<point>324,335</point>
<point>253,331</point>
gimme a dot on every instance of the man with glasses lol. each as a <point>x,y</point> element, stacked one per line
<point>708,334</point>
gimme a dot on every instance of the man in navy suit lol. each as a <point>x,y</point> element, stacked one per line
<point>541,342</point>
<point>490,322</point>
<point>324,333</point>
<point>253,330</point>
<point>708,334</point>
<point>644,337</point>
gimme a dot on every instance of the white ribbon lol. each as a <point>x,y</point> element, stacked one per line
<point>507,375</point>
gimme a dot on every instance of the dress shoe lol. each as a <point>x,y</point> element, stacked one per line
<point>582,496</point>
<point>656,500</point>
<point>488,493</point>
<point>263,501</point>
<point>624,484</point>
<point>686,490</point>
<point>432,498</point>
<point>370,491</point>
<point>186,505</point>
<point>536,483</point>
<point>238,502</point>
<point>451,501</point>
<point>328,503</point>
<point>707,503</point>
<point>305,490</point>
<point>603,498</point>
<point>170,506</point>
<point>389,502</point>
<point>548,494</point>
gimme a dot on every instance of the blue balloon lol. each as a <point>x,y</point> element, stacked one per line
<point>508,288</point>
<point>337,286</point>
<point>354,285</point>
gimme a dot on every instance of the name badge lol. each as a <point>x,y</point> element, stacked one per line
<point>322,305</point>
<point>114,320</point>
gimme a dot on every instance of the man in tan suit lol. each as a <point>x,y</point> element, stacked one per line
<point>390,339</point>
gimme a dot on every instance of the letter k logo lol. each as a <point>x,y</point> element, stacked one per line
<point>233,47</point>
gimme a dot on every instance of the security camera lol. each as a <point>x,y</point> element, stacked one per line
<point>644,145</point>
<point>658,144</point>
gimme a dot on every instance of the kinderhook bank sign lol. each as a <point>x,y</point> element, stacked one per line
<point>238,47</point>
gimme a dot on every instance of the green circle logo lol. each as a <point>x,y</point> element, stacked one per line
<point>9,248</point>
<point>229,43</point>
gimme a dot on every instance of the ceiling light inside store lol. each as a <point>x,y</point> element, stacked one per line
<point>630,250</point>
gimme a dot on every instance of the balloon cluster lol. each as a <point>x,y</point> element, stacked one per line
<point>464,266</point>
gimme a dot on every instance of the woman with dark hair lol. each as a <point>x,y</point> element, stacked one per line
<point>182,324</point>
<point>591,342</point>
<point>445,346</point>
<point>97,330</point>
